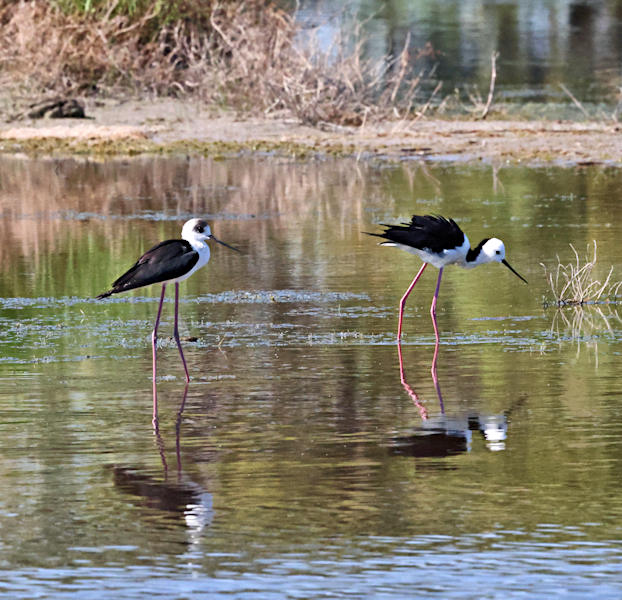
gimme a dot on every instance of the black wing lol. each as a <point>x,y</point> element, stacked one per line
<point>168,260</point>
<point>431,232</point>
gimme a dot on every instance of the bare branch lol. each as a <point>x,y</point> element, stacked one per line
<point>493,78</point>
<point>575,101</point>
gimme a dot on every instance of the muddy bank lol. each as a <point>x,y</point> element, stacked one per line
<point>178,126</point>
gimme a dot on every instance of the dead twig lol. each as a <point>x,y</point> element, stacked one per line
<point>421,113</point>
<point>491,89</point>
<point>574,285</point>
<point>574,100</point>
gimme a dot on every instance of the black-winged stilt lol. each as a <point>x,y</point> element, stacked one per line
<point>440,242</point>
<point>170,261</point>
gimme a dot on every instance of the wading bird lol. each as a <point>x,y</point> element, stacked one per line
<point>170,261</point>
<point>440,242</point>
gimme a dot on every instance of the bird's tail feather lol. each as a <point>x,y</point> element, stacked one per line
<point>104,295</point>
<point>383,236</point>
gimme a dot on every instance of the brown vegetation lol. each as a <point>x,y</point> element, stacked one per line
<point>236,54</point>
<point>574,284</point>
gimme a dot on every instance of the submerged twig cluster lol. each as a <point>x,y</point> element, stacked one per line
<point>574,284</point>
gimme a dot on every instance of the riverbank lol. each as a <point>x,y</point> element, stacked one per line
<point>177,126</point>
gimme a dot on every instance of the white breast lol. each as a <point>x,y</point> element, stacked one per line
<point>203,260</point>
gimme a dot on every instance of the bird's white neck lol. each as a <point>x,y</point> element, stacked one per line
<point>475,260</point>
<point>198,244</point>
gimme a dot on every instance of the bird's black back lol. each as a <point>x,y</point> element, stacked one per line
<point>430,232</point>
<point>165,261</point>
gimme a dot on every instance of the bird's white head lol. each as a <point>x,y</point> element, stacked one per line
<point>493,250</point>
<point>196,231</point>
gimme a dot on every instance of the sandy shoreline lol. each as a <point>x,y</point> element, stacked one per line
<point>145,126</point>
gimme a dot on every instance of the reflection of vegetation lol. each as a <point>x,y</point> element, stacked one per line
<point>541,44</point>
<point>62,218</point>
<point>582,323</point>
<point>574,284</point>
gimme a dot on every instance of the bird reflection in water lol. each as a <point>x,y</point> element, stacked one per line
<point>441,436</point>
<point>160,441</point>
<point>423,411</point>
<point>179,495</point>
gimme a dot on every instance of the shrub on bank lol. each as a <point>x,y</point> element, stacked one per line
<point>240,55</point>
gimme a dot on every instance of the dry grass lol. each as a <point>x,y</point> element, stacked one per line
<point>235,54</point>
<point>337,85</point>
<point>49,50</point>
<point>574,284</point>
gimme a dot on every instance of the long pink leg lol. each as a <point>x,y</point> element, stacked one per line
<point>176,332</point>
<point>403,300</point>
<point>433,315</point>
<point>154,340</point>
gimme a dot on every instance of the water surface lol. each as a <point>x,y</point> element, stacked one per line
<point>541,44</point>
<point>297,464</point>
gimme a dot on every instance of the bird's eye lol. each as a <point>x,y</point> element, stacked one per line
<point>199,228</point>
<point>498,252</point>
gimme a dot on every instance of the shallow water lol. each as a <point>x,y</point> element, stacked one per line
<point>540,44</point>
<point>296,464</point>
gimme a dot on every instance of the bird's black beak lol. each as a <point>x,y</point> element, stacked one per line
<point>507,264</point>
<point>211,237</point>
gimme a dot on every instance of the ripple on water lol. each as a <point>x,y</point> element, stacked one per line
<point>430,565</point>
<point>154,215</point>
